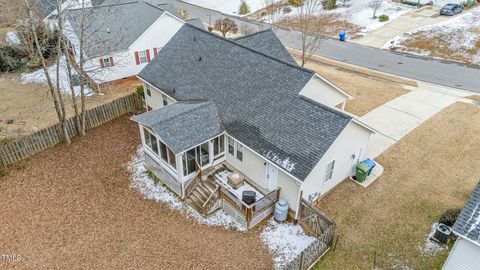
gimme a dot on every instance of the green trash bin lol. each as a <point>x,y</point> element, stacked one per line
<point>361,171</point>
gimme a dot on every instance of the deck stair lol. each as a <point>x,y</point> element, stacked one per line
<point>204,197</point>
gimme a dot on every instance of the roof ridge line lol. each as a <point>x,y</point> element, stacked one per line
<point>323,106</point>
<point>252,50</point>
<point>253,34</point>
<point>205,103</point>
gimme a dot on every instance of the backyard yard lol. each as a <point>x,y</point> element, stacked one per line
<point>31,108</point>
<point>433,168</point>
<point>71,207</point>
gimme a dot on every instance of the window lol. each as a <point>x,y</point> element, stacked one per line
<point>142,56</point>
<point>150,140</point>
<point>329,172</point>
<point>108,61</point>
<point>239,152</point>
<point>231,146</point>
<point>148,90</point>
<point>165,100</point>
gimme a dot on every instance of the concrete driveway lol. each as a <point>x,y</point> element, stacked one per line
<point>396,118</point>
<point>407,22</point>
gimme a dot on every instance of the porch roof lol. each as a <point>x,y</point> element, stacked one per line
<point>183,125</point>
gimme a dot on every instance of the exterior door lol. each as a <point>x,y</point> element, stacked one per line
<point>272,177</point>
<point>357,157</point>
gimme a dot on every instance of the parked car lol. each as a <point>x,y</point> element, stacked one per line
<point>451,9</point>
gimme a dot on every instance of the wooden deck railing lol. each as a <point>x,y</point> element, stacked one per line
<point>252,213</point>
<point>188,189</point>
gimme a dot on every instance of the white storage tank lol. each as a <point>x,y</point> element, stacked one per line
<point>281,210</point>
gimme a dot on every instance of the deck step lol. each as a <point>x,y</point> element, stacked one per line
<point>200,194</point>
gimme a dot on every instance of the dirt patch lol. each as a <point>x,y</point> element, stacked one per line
<point>71,207</point>
<point>426,172</point>
<point>327,25</point>
<point>30,106</point>
<point>368,92</point>
<point>475,97</point>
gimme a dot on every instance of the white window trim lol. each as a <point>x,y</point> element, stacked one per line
<point>106,62</point>
<point>327,171</point>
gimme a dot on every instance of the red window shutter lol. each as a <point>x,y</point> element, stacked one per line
<point>101,63</point>
<point>148,55</point>
<point>137,59</point>
<point>154,52</point>
<point>111,61</point>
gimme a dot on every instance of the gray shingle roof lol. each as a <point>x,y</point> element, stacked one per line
<point>196,22</point>
<point>468,222</point>
<point>47,6</point>
<point>267,42</point>
<point>183,125</point>
<point>257,97</point>
<point>114,27</point>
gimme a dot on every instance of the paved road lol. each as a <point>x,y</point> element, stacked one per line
<point>422,69</point>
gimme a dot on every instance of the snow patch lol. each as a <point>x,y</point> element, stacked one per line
<point>359,13</point>
<point>459,33</point>
<point>286,163</point>
<point>152,191</point>
<point>38,76</point>
<point>12,38</point>
<point>285,241</point>
<point>431,247</point>
<point>230,7</point>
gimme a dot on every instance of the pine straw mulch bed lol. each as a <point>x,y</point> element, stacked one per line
<point>433,168</point>
<point>70,207</point>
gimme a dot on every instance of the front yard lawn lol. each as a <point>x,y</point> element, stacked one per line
<point>433,168</point>
<point>369,92</point>
<point>71,207</point>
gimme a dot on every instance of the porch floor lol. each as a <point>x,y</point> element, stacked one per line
<point>221,177</point>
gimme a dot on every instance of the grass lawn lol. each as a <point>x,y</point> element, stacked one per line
<point>70,207</point>
<point>31,106</point>
<point>369,92</point>
<point>433,168</point>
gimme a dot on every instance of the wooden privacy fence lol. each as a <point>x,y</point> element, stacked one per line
<point>31,144</point>
<point>320,226</point>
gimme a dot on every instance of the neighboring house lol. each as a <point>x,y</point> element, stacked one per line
<point>246,106</point>
<point>465,254</point>
<point>48,8</point>
<point>121,38</point>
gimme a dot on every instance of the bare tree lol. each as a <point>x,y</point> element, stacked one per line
<point>225,26</point>
<point>375,5</point>
<point>310,28</point>
<point>275,14</point>
<point>54,86</point>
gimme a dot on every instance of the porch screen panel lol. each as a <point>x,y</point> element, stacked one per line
<point>189,162</point>
<point>171,158</point>
<point>154,145</point>
<point>222,143</point>
<point>163,151</point>
<point>204,156</point>
<point>146,134</point>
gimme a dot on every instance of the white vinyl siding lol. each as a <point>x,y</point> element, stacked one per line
<point>465,255</point>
